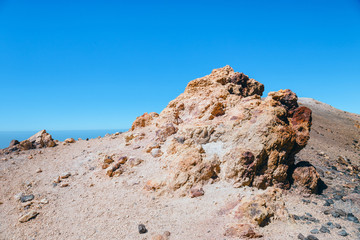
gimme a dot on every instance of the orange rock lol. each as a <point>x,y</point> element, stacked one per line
<point>241,231</point>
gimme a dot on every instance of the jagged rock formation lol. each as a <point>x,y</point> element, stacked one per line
<point>220,128</point>
<point>39,140</point>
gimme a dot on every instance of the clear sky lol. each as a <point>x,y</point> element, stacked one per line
<point>100,64</point>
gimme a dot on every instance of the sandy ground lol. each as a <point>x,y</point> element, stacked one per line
<point>94,206</point>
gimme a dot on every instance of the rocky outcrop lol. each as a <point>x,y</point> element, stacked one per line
<point>13,143</point>
<point>41,139</point>
<point>221,129</point>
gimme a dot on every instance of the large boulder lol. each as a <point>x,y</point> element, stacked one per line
<point>221,129</point>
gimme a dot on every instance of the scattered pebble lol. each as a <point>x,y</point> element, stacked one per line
<point>156,152</point>
<point>108,160</point>
<point>301,237</point>
<point>38,170</point>
<point>324,229</point>
<point>342,233</point>
<point>352,218</point>
<point>312,237</point>
<point>44,201</point>
<point>314,231</point>
<point>25,198</point>
<point>196,192</point>
<point>26,217</point>
<point>65,175</point>
<point>142,229</point>
<point>64,185</point>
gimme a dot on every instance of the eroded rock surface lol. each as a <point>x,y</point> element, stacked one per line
<point>221,128</point>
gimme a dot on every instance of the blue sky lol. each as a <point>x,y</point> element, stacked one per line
<point>100,64</point>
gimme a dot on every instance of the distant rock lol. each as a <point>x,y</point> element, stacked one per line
<point>13,143</point>
<point>41,139</point>
<point>69,140</point>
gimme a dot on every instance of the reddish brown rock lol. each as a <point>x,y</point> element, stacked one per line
<point>196,192</point>
<point>108,160</point>
<point>306,177</point>
<point>241,230</point>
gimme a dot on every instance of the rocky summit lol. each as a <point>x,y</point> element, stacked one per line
<point>219,162</point>
<point>221,129</point>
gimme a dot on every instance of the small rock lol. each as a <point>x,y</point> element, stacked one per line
<point>158,237</point>
<point>134,161</point>
<point>64,185</point>
<point>338,226</point>
<point>156,152</point>
<point>58,180</point>
<point>122,159</point>
<point>352,218</point>
<point>324,229</point>
<point>314,231</point>
<point>241,231</point>
<point>196,192</point>
<point>340,212</point>
<point>328,202</point>
<point>342,233</point>
<point>25,198</point>
<point>26,217</point>
<point>69,140</point>
<point>330,224</point>
<point>65,175</point>
<point>301,237</point>
<point>38,170</point>
<point>142,229</point>
<point>105,166</point>
<point>335,214</point>
<point>44,201</point>
<point>312,237</point>
<point>108,160</point>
